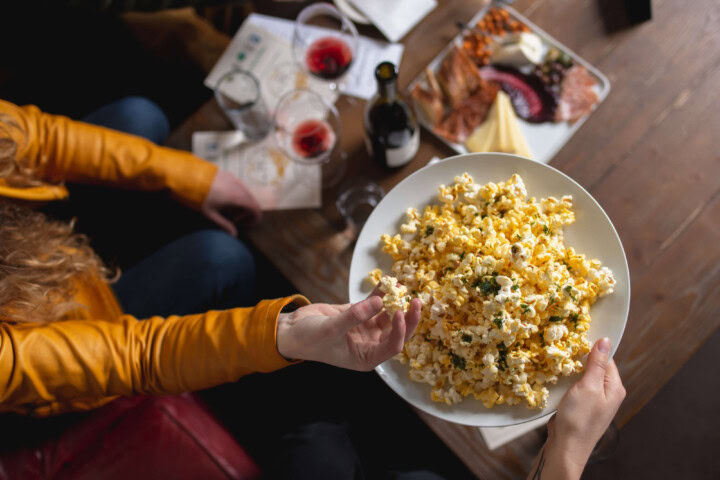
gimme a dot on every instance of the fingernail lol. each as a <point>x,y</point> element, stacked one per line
<point>604,345</point>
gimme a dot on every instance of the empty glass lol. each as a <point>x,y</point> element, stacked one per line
<point>238,94</point>
<point>357,203</point>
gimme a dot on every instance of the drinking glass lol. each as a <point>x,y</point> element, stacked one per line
<point>307,129</point>
<point>357,203</point>
<point>238,94</point>
<point>324,43</point>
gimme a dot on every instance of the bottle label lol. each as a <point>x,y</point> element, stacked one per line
<point>397,157</point>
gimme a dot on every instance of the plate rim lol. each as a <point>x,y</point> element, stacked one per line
<point>626,280</point>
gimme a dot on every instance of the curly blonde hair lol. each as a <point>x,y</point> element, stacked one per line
<point>12,168</point>
<point>39,258</point>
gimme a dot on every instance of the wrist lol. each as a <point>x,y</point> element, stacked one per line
<point>566,459</point>
<point>284,338</point>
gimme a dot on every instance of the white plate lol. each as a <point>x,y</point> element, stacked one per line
<point>592,234</point>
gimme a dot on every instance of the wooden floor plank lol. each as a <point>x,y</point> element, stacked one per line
<point>653,67</point>
<point>675,305</point>
<point>667,178</point>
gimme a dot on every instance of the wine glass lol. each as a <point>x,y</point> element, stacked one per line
<point>307,129</point>
<point>324,43</point>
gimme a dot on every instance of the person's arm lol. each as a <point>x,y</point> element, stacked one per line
<point>69,365</point>
<point>583,415</point>
<point>58,149</point>
<point>553,462</point>
<point>357,337</point>
<point>74,365</point>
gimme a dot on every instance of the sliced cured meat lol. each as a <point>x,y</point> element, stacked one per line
<point>577,95</point>
<point>458,76</point>
<point>453,127</point>
<point>461,121</point>
<point>529,98</point>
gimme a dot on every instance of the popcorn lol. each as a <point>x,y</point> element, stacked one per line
<point>506,303</point>
<point>374,277</point>
<point>395,298</point>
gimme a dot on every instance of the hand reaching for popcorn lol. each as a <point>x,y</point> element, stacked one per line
<point>355,336</point>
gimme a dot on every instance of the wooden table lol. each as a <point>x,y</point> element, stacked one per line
<point>650,155</point>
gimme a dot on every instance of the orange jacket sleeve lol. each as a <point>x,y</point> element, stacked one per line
<point>77,365</point>
<point>60,149</point>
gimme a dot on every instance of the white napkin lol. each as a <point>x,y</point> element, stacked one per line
<point>360,79</point>
<point>498,436</point>
<point>277,182</point>
<point>394,18</point>
<point>269,57</point>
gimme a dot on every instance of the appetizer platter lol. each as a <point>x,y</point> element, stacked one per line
<point>505,85</point>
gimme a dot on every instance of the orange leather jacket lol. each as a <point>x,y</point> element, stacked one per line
<point>97,353</point>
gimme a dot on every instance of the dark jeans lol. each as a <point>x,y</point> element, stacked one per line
<point>203,270</point>
<point>307,421</point>
<point>135,115</point>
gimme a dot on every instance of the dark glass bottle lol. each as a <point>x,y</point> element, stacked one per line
<point>392,135</point>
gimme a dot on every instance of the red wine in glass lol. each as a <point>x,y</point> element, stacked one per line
<point>328,57</point>
<point>312,138</point>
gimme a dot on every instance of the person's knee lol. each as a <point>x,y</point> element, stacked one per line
<point>205,270</point>
<point>225,258</point>
<point>223,251</point>
<point>144,118</point>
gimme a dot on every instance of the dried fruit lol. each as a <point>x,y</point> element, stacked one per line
<point>496,22</point>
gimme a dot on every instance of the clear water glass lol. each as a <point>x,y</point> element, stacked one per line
<point>357,203</point>
<point>239,96</point>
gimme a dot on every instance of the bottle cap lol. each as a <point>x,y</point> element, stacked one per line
<point>385,72</point>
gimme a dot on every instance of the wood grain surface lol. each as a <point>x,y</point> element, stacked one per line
<point>650,155</point>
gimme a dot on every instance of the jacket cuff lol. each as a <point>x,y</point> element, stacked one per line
<point>263,333</point>
<point>189,178</point>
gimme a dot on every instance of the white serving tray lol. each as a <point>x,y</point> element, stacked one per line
<point>544,139</point>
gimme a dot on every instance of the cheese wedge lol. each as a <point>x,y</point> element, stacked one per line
<point>518,49</point>
<point>500,132</point>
